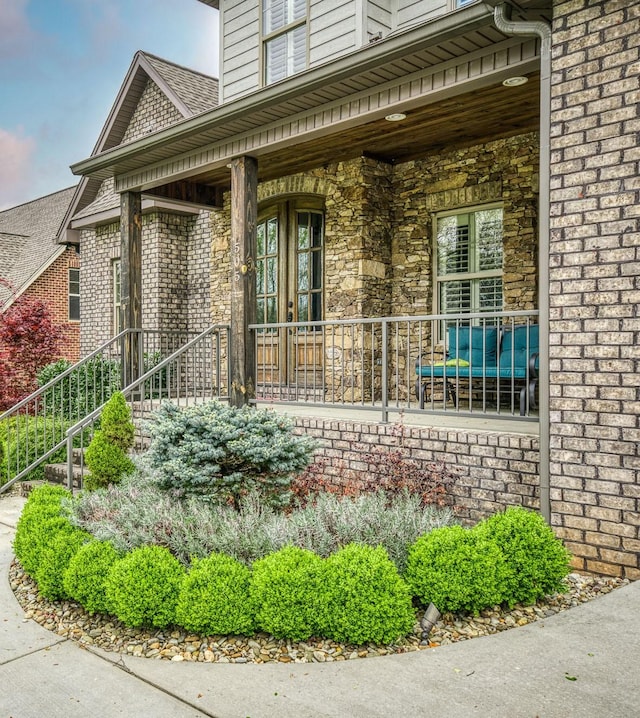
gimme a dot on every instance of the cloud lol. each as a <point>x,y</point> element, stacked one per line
<point>16,168</point>
<point>18,37</point>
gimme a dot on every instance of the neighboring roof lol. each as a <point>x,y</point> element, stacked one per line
<point>28,239</point>
<point>191,92</point>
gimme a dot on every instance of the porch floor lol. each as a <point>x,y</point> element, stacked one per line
<point>485,422</point>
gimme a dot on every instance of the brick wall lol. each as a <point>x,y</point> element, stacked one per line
<point>494,469</point>
<point>175,275</point>
<point>595,283</point>
<point>154,112</point>
<point>52,287</point>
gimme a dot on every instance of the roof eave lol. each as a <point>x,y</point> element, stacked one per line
<point>392,47</point>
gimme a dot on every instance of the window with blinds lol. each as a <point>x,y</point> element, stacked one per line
<point>74,294</point>
<point>469,262</point>
<point>284,31</point>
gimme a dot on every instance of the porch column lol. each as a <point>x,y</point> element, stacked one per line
<point>131,283</point>
<point>244,211</point>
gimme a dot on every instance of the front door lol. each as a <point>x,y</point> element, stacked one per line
<point>289,288</point>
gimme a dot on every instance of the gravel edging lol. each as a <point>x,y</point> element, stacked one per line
<point>69,620</point>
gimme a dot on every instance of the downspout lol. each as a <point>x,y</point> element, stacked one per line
<point>502,20</point>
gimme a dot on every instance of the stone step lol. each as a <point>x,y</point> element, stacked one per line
<point>57,474</point>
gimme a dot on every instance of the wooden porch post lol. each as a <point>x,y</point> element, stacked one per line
<point>131,282</point>
<point>244,211</point>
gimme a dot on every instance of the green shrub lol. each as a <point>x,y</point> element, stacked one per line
<point>40,529</point>
<point>115,422</point>
<point>106,462</point>
<point>85,576</point>
<point>44,504</point>
<point>46,494</point>
<point>83,390</point>
<point>214,597</point>
<point>54,558</point>
<point>365,599</point>
<point>25,438</point>
<point>286,593</point>
<point>536,562</point>
<point>455,569</point>
<point>221,452</point>
<point>142,588</point>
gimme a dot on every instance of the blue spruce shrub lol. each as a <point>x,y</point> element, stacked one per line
<point>142,588</point>
<point>536,562</point>
<point>365,598</point>
<point>86,574</point>
<point>221,452</point>
<point>214,597</point>
<point>286,593</point>
<point>456,569</point>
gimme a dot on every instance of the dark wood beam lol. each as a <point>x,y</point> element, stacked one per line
<point>131,282</point>
<point>244,212</point>
<point>188,192</point>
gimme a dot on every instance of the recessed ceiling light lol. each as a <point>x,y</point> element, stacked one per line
<point>396,117</point>
<point>515,81</point>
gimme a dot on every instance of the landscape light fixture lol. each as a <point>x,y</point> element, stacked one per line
<point>429,620</point>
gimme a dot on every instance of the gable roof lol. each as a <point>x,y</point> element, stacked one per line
<point>191,93</point>
<point>28,239</point>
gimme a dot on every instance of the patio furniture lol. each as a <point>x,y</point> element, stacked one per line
<point>477,354</point>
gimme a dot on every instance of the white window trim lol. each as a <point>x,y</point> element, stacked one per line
<point>462,276</point>
<point>71,294</point>
<point>284,30</point>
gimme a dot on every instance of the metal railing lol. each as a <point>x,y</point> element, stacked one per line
<point>35,429</point>
<point>196,372</point>
<point>482,364</point>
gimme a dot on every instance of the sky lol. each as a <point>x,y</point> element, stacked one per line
<point>62,63</point>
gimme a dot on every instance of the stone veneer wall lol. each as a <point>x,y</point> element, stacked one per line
<point>504,170</point>
<point>595,283</point>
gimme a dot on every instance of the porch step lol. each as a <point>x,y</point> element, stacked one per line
<point>57,474</point>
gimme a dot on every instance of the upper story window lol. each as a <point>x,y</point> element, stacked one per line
<point>74,294</point>
<point>469,261</point>
<point>284,33</point>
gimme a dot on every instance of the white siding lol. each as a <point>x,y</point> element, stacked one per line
<point>240,34</point>
<point>332,31</point>
<point>411,12</point>
<point>380,17</point>
<point>335,29</point>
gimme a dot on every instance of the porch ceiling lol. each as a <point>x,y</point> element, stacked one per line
<point>471,118</point>
<point>445,74</point>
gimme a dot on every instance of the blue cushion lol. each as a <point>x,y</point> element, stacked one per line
<point>477,345</point>
<point>518,344</point>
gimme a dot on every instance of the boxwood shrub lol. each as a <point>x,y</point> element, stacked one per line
<point>286,593</point>
<point>54,557</point>
<point>365,599</point>
<point>142,587</point>
<point>455,569</point>
<point>41,518</point>
<point>85,576</point>
<point>536,562</point>
<point>214,597</point>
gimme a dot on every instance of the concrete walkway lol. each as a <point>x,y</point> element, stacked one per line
<point>526,672</point>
